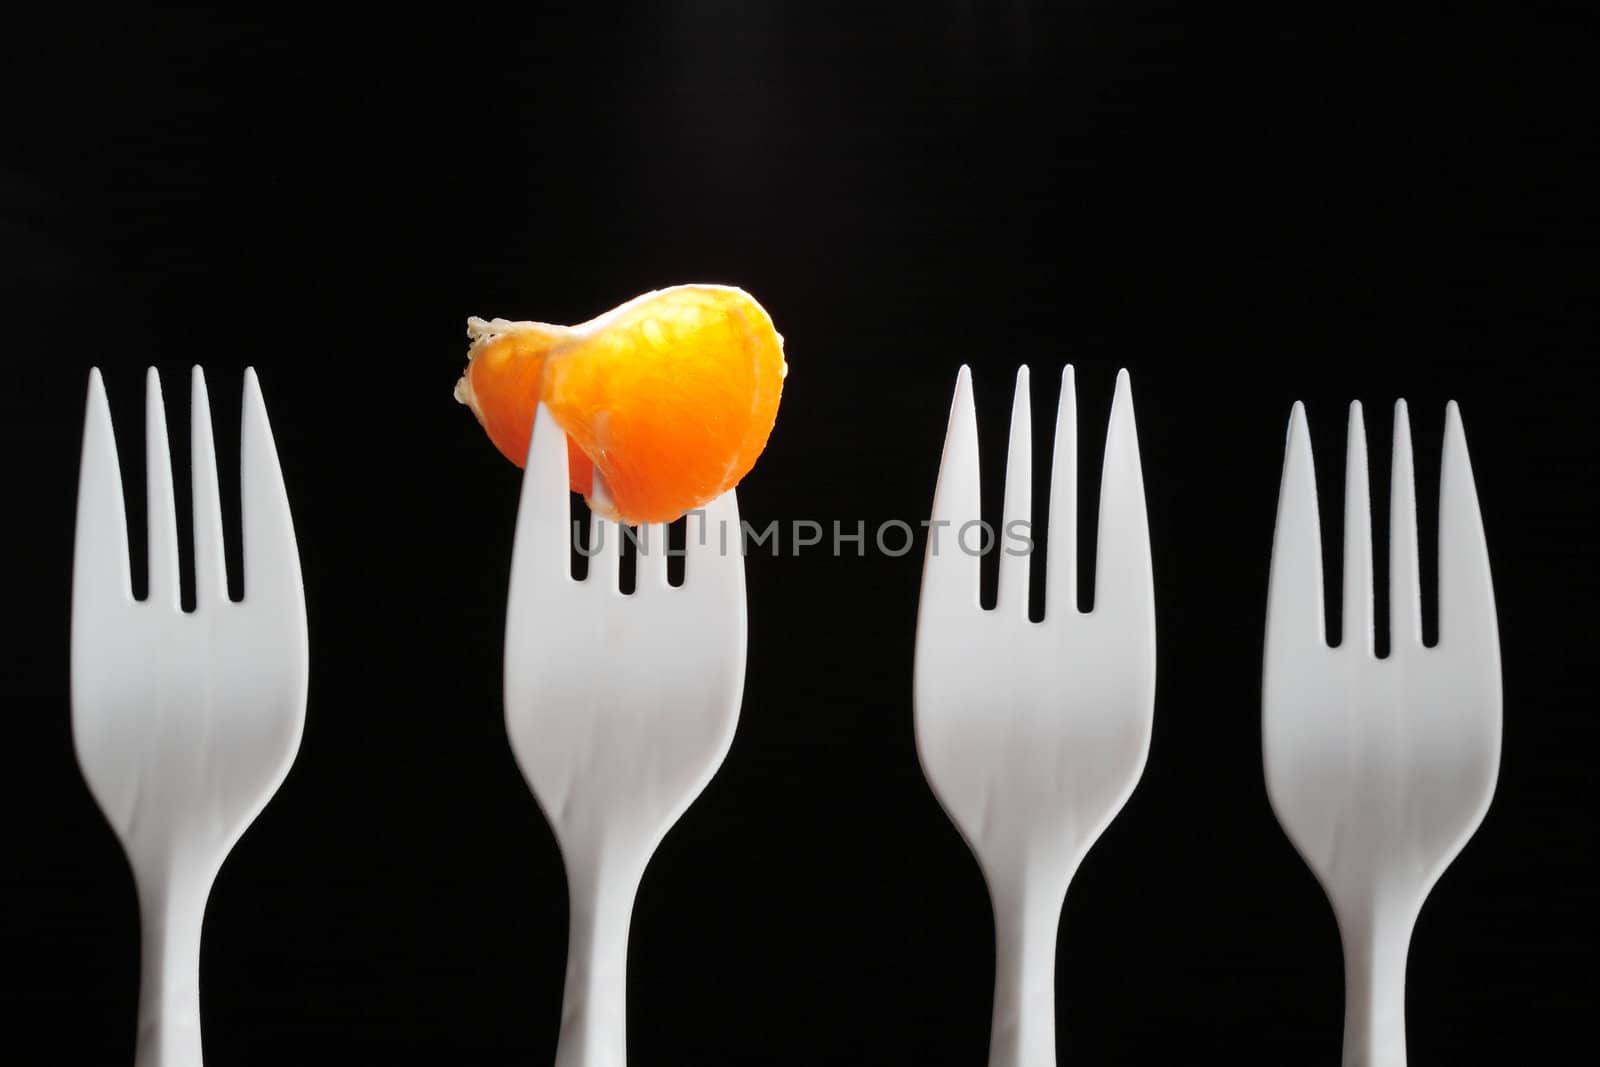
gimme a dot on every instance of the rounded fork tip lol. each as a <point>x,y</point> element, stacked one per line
<point>962,399</point>
<point>1454,429</point>
<point>98,406</point>
<point>1122,395</point>
<point>1299,424</point>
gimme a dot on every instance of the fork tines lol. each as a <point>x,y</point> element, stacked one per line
<point>101,565</point>
<point>1466,596</point>
<point>1124,586</point>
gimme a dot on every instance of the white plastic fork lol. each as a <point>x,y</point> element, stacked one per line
<point>1379,770</point>
<point>1033,735</point>
<point>184,723</point>
<point>620,708</point>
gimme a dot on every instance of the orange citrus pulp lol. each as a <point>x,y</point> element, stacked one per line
<point>670,396</point>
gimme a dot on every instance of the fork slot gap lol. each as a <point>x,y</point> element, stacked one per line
<point>125,399</point>
<point>991,395</point>
<point>180,455</point>
<point>1328,440</point>
<point>1042,406</point>
<point>1380,464</point>
<point>629,570</point>
<point>579,544</point>
<point>677,544</point>
<point>183,509</point>
<point>227,411</point>
<point>1099,385</point>
<point>1427,453</point>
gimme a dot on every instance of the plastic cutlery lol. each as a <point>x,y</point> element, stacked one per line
<point>1033,734</point>
<point>1379,770</point>
<point>185,723</point>
<point>620,708</point>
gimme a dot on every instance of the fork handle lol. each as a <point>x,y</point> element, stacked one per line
<point>594,1006</point>
<point>171,915</point>
<point>1023,1031</point>
<point>1376,941</point>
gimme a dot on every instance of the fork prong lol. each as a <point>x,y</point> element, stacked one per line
<point>1356,629</point>
<point>1405,590</point>
<point>161,514</point>
<point>950,573</point>
<point>1123,582</point>
<point>1466,586</point>
<point>1295,618</point>
<point>210,560</point>
<point>713,564</point>
<point>605,541</point>
<point>540,551</point>
<point>271,558</point>
<point>1061,568</point>
<point>1013,585</point>
<point>100,567</point>
<point>650,563</point>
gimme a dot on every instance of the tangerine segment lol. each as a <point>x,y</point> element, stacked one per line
<point>671,396</point>
<point>503,383</point>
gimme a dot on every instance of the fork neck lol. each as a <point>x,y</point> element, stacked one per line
<point>172,914</point>
<point>1376,940</point>
<point>1027,917</point>
<point>600,889</point>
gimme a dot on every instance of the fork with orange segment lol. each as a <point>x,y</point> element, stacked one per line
<point>620,708</point>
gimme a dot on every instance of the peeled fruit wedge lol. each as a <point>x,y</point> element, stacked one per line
<point>670,397</point>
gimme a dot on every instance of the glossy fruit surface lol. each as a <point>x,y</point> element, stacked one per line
<point>670,396</point>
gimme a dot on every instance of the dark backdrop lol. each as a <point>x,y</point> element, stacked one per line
<point>1318,201</point>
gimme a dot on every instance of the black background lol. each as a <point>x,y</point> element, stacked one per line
<point>1317,201</point>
